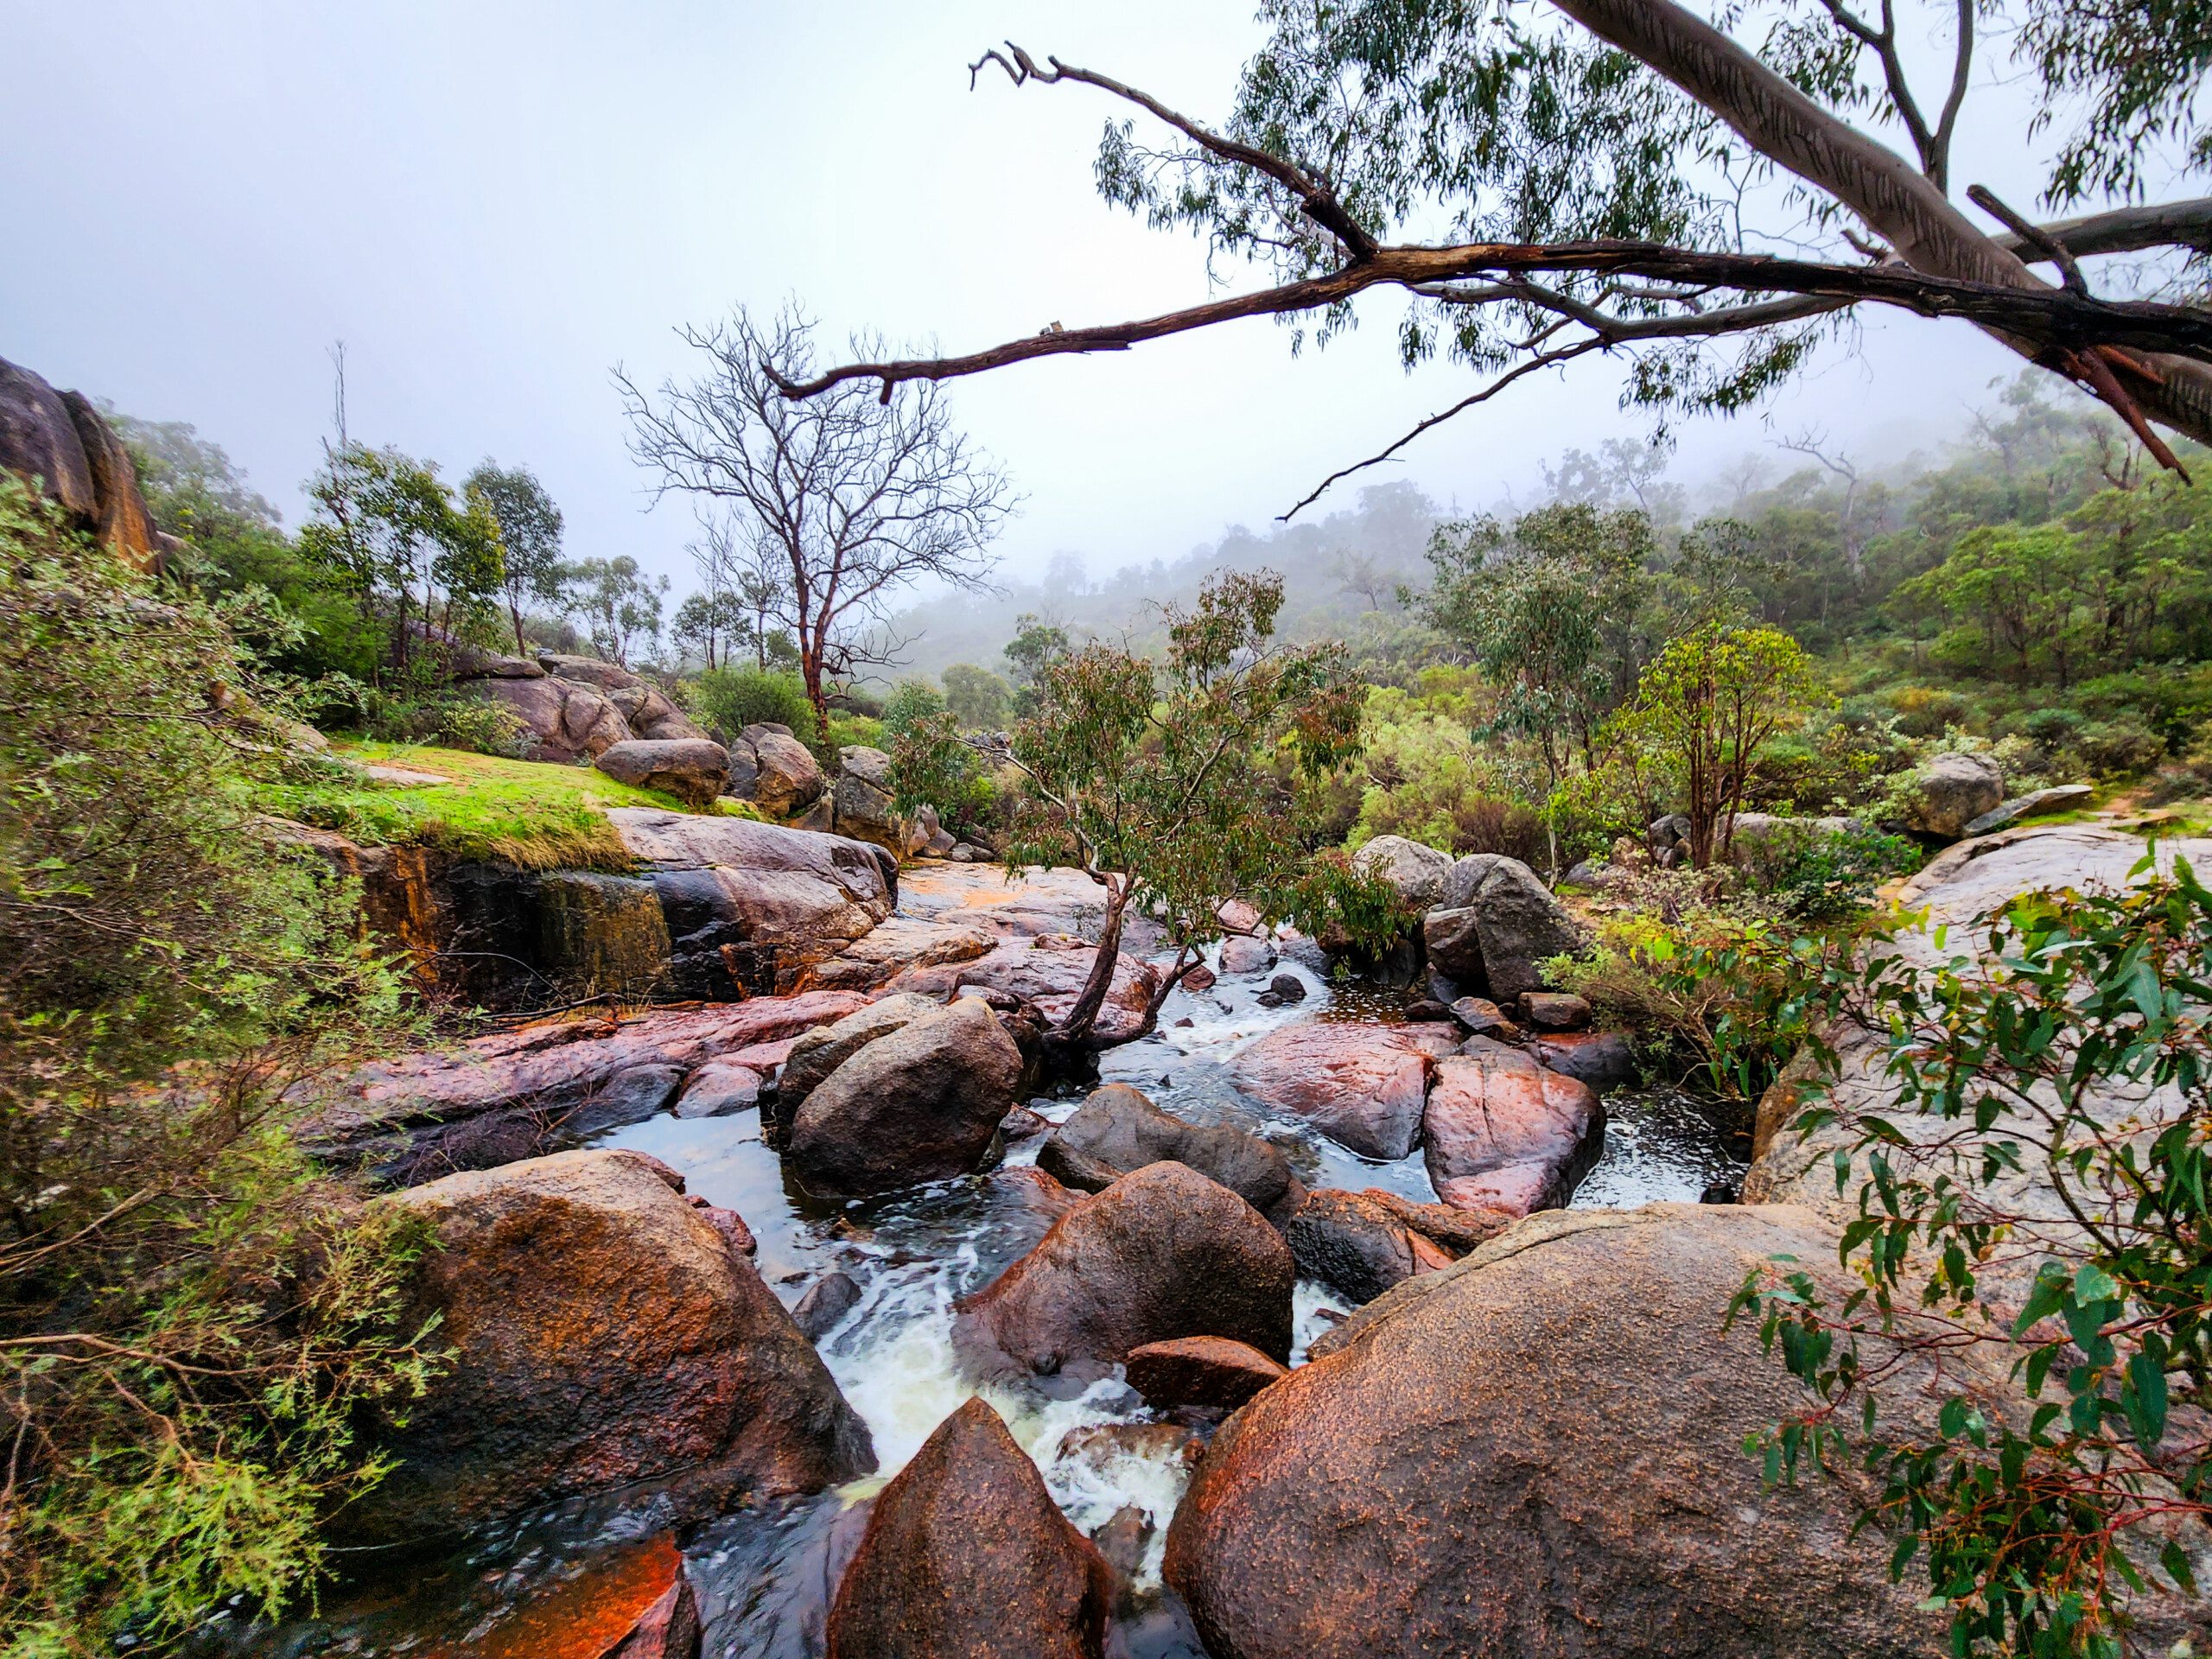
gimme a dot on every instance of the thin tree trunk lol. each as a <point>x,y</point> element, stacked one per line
<point>1075,1031</point>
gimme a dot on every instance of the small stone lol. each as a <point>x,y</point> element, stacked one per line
<point>1202,1371</point>
<point>1200,978</point>
<point>828,1300</point>
<point>1287,988</point>
<point>1555,1011</point>
<point>1426,1012</point>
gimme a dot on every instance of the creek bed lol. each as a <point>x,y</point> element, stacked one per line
<point>763,1576</point>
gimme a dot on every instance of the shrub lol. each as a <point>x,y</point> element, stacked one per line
<point>2123,747</point>
<point>2071,1059</point>
<point>727,699</point>
<point>1924,711</point>
<point>1833,877</point>
<point>196,1319</point>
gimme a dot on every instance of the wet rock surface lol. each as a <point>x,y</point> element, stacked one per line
<point>1452,1476</point>
<point>1364,1086</point>
<point>606,1335</point>
<point>1201,1371</point>
<point>1496,925</point>
<point>966,1556</point>
<point>1162,1253</point>
<point>520,1093</point>
<point>1502,1133</point>
<point>1117,1130</point>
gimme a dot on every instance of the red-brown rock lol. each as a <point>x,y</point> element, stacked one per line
<point>1363,1086</point>
<point>966,1556</point>
<point>1160,1254</point>
<point>606,1335</point>
<point>1201,1371</point>
<point>1502,1133</point>
<point>1049,969</point>
<point>1538,1455</point>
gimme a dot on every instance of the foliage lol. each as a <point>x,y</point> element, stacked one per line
<point>910,701</point>
<point>620,604</point>
<point>194,1318</point>
<point>1833,876</point>
<point>1158,778</point>
<point>1035,646</point>
<point>1725,996</point>
<point>235,545</point>
<point>419,702</point>
<point>979,699</point>
<point>521,812</point>
<point>529,536</point>
<point>2035,1203</point>
<point>1705,707</point>
<point>727,699</point>
<point>1428,778</point>
<point>386,525</point>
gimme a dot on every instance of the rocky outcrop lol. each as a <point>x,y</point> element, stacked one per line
<point>966,1556</point>
<point>1363,1086</point>
<point>1950,791</point>
<point>693,769</point>
<point>1116,1130</point>
<point>1210,1372</point>
<point>752,906</point>
<point>1497,925</point>
<point>865,804</point>
<point>562,720</point>
<point>1539,1452</point>
<point>826,1048</point>
<point>785,777</point>
<point>1501,1133</point>
<point>897,943</point>
<point>1415,873</point>
<point>1160,1254</point>
<point>61,440</point>
<point>2060,798</point>
<point>606,1337</point>
<point>520,1093</point>
<point>920,1105</point>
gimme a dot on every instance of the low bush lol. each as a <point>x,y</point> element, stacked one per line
<point>727,699</point>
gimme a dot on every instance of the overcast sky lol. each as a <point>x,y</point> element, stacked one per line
<point>493,204</point>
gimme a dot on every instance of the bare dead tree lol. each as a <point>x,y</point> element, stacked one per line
<point>1918,252</point>
<point>850,498</point>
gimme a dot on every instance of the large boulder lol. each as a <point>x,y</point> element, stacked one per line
<point>1416,872</point>
<point>750,905</point>
<point>920,1105</point>
<point>1538,1453</point>
<point>826,1048</point>
<point>966,1556</point>
<point>1968,881</point>
<point>1162,1253</point>
<point>63,442</point>
<point>1502,1133</point>
<point>38,439</point>
<point>563,719</point>
<point>692,769</point>
<point>1950,791</point>
<point>652,716</point>
<point>1363,1086</point>
<point>1210,1372</point>
<point>1499,925</point>
<point>606,1335</point>
<point>121,522</point>
<point>2059,798</point>
<point>588,671</point>
<point>1116,1130</point>
<point>866,806</point>
<point>786,778</point>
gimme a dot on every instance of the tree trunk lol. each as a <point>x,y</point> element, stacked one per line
<point>1075,1031</point>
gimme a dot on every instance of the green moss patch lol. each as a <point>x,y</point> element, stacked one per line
<point>538,816</point>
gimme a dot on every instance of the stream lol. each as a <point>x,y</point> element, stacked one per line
<point>763,1576</point>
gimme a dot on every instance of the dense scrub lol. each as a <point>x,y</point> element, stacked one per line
<point>194,1318</point>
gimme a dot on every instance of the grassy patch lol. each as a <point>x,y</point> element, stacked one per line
<point>527,813</point>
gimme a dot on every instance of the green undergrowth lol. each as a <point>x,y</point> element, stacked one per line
<point>531,814</point>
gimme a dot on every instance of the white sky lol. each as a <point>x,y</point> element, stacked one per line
<point>491,204</point>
